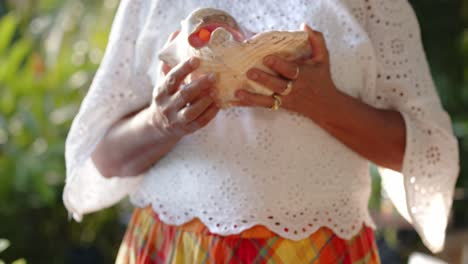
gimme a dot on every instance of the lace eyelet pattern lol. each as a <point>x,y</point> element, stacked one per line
<point>252,166</point>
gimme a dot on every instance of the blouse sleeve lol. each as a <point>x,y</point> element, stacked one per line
<point>119,88</point>
<point>423,191</point>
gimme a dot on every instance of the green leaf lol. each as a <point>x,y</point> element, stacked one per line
<point>11,64</point>
<point>4,244</point>
<point>8,25</point>
<point>7,101</point>
<point>19,261</point>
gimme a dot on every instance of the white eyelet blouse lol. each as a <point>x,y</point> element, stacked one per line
<point>252,166</point>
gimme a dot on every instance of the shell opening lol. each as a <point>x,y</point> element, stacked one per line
<point>202,36</point>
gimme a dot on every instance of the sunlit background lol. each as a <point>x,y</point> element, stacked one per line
<point>49,52</point>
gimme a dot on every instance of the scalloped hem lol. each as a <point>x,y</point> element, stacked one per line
<point>288,233</point>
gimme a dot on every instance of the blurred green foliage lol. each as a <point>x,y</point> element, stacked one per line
<point>49,52</point>
<point>444,26</point>
<point>4,244</point>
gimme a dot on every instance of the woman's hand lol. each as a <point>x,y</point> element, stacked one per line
<point>309,79</point>
<point>376,134</point>
<point>179,109</point>
<point>137,141</point>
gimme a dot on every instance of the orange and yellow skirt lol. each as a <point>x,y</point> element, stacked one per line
<point>148,240</point>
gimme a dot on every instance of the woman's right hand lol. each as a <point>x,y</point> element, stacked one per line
<point>138,141</point>
<point>179,109</point>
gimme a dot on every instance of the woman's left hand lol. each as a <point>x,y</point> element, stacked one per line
<point>356,124</point>
<point>310,79</point>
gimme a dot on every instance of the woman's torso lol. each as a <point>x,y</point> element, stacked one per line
<point>255,166</point>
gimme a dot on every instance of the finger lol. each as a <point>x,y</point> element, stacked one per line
<point>247,98</point>
<point>285,68</point>
<point>174,35</point>
<point>274,83</point>
<point>193,90</point>
<point>171,37</point>
<point>166,68</point>
<point>317,43</point>
<point>192,112</point>
<point>205,118</point>
<point>177,74</point>
<point>238,104</point>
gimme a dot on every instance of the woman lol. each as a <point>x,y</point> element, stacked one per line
<point>253,185</point>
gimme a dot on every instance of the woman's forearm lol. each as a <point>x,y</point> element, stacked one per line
<point>376,134</point>
<point>138,141</point>
<point>131,146</point>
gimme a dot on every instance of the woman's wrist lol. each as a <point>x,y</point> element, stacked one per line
<point>133,145</point>
<point>363,128</point>
<point>324,105</point>
<point>154,128</point>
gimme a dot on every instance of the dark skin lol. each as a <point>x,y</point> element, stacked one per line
<point>359,126</point>
<point>139,140</point>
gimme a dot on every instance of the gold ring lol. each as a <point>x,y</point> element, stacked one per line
<point>288,89</point>
<point>298,71</point>
<point>277,103</point>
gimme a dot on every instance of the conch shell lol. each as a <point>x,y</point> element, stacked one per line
<point>224,49</point>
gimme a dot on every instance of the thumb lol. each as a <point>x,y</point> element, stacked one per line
<point>317,44</point>
<point>165,68</point>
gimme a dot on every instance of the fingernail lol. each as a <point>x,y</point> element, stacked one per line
<point>212,77</point>
<point>213,93</point>
<point>269,61</point>
<point>239,95</point>
<point>252,75</point>
<point>235,104</point>
<point>194,62</point>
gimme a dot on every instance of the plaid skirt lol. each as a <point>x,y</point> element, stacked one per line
<point>148,240</point>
